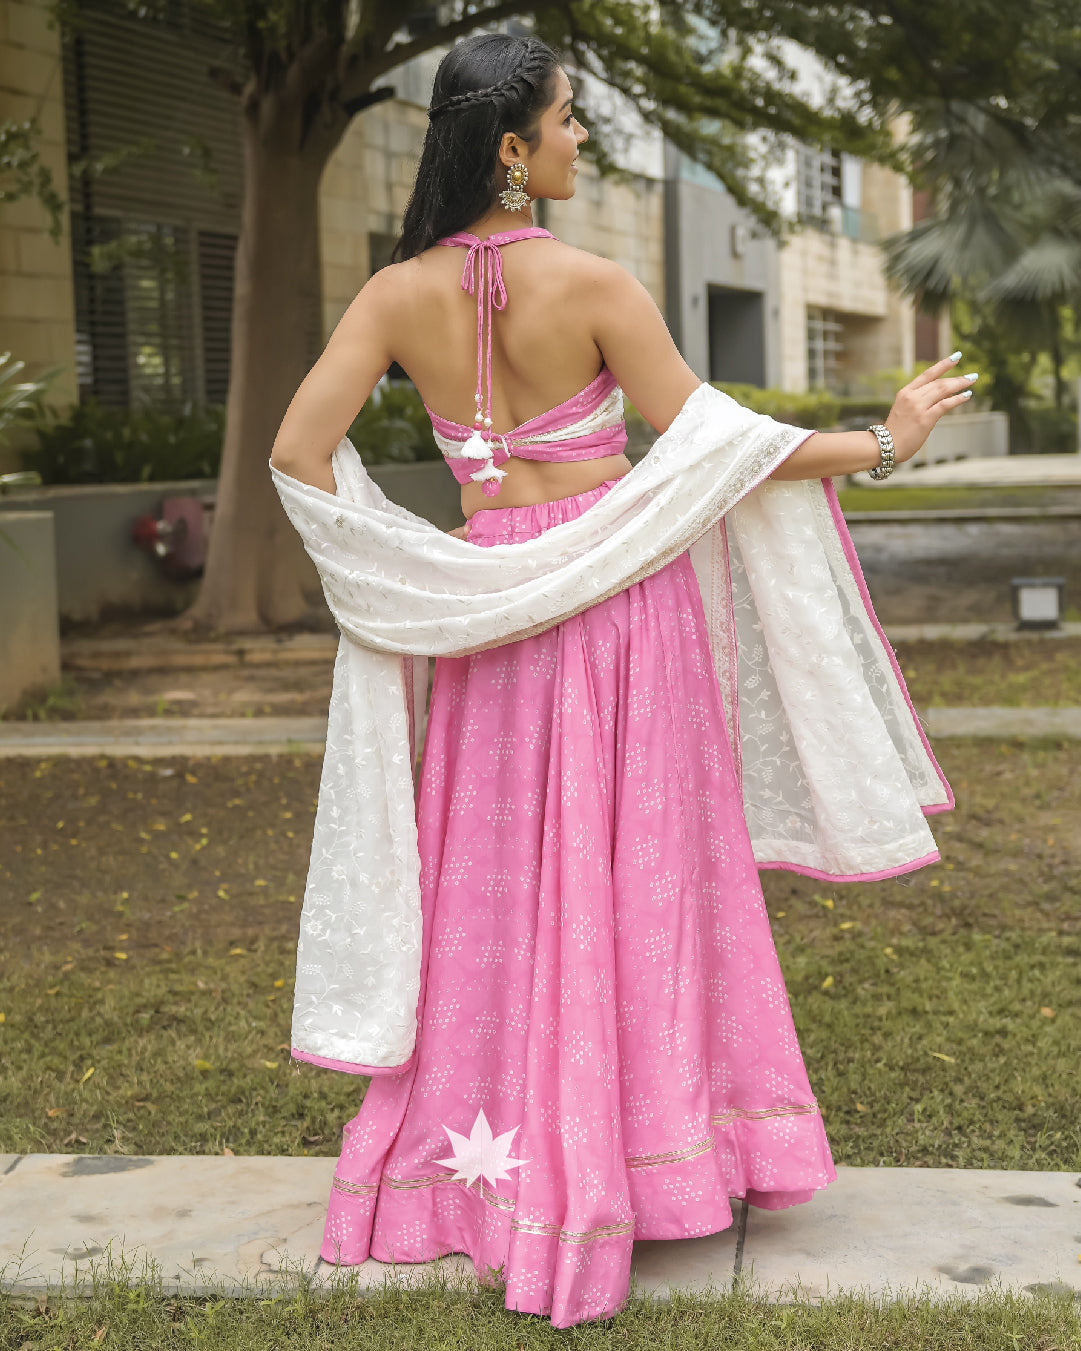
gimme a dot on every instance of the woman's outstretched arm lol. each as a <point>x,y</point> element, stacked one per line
<point>335,388</point>
<point>639,350</point>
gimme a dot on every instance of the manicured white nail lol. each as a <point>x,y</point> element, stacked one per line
<point>955,356</point>
<point>973,377</point>
<point>967,394</point>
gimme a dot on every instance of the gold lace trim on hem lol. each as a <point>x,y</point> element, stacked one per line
<point>744,1114</point>
<point>672,1156</point>
<point>354,1188</point>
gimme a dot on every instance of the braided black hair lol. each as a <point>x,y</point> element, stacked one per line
<point>485,86</point>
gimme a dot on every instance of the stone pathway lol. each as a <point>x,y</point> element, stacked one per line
<point>232,1222</point>
<point>165,736</point>
<point>998,471</point>
<point>146,737</point>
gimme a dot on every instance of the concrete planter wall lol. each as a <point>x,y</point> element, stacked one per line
<point>948,570</point>
<point>101,572</point>
<point>29,634</point>
<point>962,436</point>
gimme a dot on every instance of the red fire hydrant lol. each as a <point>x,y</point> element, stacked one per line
<point>177,539</point>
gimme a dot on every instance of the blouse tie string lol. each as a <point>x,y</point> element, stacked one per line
<point>482,276</point>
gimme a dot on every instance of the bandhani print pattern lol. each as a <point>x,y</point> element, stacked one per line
<point>601,991</point>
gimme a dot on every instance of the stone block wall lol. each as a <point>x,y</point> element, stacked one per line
<point>37,305</point>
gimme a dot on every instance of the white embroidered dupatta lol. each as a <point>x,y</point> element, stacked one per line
<point>836,771</point>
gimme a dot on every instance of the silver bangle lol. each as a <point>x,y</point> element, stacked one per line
<point>885,465</point>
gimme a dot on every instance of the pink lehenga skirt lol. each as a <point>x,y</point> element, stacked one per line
<point>605,1046</point>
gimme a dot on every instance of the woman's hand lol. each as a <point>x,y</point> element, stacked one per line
<point>920,404</point>
<point>914,413</point>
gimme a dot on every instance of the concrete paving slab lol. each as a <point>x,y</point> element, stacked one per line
<point>195,737</point>
<point>950,1230</point>
<point>227,1220</point>
<point>1002,722</point>
<point>165,736</point>
<point>994,471</point>
<point>974,633</point>
<point>239,1222</point>
<point>695,1264</point>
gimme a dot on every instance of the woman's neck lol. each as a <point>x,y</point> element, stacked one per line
<point>499,220</point>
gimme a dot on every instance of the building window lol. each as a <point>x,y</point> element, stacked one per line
<point>153,325</point>
<point>823,348</point>
<point>154,233</point>
<point>819,182</point>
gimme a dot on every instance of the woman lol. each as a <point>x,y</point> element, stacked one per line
<point>605,1049</point>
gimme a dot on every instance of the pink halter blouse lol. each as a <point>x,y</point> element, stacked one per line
<point>586,426</point>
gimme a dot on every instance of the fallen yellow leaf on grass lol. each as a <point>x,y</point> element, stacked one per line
<point>889,952</point>
<point>223,893</point>
<point>860,1107</point>
<point>278,984</point>
<point>186,817</point>
<point>53,1112</point>
<point>848,924</point>
<point>3,1017</point>
<point>121,956</point>
<point>827,983</point>
<point>190,778</point>
<point>827,901</point>
<point>1048,1013</point>
<point>87,1075</point>
<point>780,913</point>
<point>237,952</point>
<point>173,853</point>
<point>270,1064</point>
<point>100,1334</point>
<point>55,990</point>
<point>203,1065</point>
<point>259,882</point>
<point>228,1153</point>
<point>939,1055</point>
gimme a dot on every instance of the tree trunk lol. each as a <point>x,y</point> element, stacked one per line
<point>255,563</point>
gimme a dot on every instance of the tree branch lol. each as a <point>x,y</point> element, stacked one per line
<point>445,34</point>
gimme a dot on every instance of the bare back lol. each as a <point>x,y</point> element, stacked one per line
<point>568,313</point>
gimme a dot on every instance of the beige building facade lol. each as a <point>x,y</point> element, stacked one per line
<point>37,306</point>
<point>816,311</point>
<point>843,326</point>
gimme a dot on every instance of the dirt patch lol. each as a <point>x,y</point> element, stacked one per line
<point>137,855</point>
<point>127,854</point>
<point>1018,673</point>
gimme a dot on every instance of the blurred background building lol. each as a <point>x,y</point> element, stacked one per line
<point>161,219</point>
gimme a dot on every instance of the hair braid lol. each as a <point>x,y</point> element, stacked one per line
<point>493,83</point>
<point>535,68</point>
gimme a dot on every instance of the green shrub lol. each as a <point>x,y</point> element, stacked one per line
<point>91,444</point>
<point>816,409</point>
<point>1046,430</point>
<point>393,427</point>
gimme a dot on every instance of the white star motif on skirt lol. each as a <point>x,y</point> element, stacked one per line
<point>479,1154</point>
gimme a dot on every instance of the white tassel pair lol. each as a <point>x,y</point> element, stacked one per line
<point>476,448</point>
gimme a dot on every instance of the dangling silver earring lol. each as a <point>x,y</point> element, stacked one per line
<point>514,197</point>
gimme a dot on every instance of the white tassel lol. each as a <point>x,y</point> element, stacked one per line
<point>488,474</point>
<point>476,448</point>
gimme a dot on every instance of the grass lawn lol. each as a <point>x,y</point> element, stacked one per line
<point>1016,673</point>
<point>904,495</point>
<point>457,1316</point>
<point>146,976</point>
<point>145,985</point>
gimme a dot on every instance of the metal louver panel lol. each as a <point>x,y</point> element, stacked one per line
<point>165,209</point>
